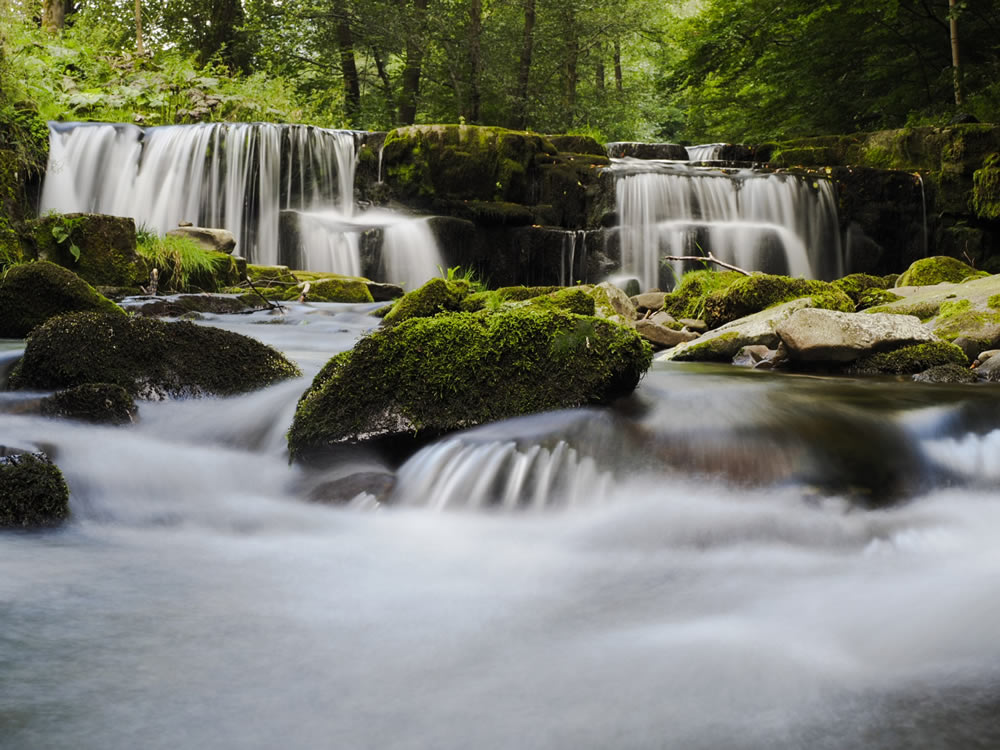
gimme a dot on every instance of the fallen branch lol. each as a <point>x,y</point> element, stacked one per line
<point>709,259</point>
<point>271,305</point>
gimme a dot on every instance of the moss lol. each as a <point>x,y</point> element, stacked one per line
<point>434,375</point>
<point>994,302</point>
<point>961,318</point>
<point>750,294</point>
<point>270,275</point>
<point>711,348</point>
<point>100,403</point>
<point>491,213</point>
<point>688,299</point>
<point>874,297</point>
<point>805,156</point>
<point>31,293</point>
<point>339,290</point>
<point>100,249</point>
<point>33,493</point>
<point>910,359</point>
<point>937,269</point>
<point>436,296</point>
<point>145,356</point>
<point>986,189</point>
<point>578,144</point>
<point>571,299</point>
<point>857,284</point>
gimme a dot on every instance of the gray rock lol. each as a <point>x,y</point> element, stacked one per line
<point>663,318</point>
<point>698,326</point>
<point>649,301</point>
<point>660,336</point>
<point>984,356</point>
<point>382,292</point>
<point>219,240</point>
<point>757,355</point>
<point>611,303</point>
<point>946,374</point>
<point>989,370</point>
<point>814,335</point>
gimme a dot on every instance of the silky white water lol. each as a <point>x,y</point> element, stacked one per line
<point>665,574</point>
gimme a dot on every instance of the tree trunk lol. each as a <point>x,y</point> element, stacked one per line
<point>139,49</point>
<point>348,67</point>
<point>520,120</point>
<point>475,58</point>
<point>953,11</point>
<point>618,67</point>
<point>570,77</point>
<point>599,71</point>
<point>412,67</point>
<point>53,15</point>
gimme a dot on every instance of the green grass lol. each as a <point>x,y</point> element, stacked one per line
<point>177,258</point>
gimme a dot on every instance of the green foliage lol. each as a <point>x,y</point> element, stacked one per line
<point>179,259</point>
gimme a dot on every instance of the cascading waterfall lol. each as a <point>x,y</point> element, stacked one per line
<point>758,221</point>
<point>237,176</point>
<point>705,152</point>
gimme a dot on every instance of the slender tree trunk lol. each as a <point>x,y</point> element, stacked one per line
<point>599,73</point>
<point>475,58</point>
<point>348,67</point>
<point>139,49</point>
<point>520,120</point>
<point>53,15</point>
<point>618,67</point>
<point>956,67</point>
<point>414,62</point>
<point>387,89</point>
<point>570,77</point>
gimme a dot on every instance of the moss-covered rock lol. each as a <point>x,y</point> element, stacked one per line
<point>570,299</point>
<point>936,269</point>
<point>147,357</point>
<point>751,294</point>
<point>428,376</point>
<point>264,276</point>
<point>31,293</point>
<point>98,248</point>
<point>578,144</point>
<point>910,359</point>
<point>986,189</point>
<point>436,296</point>
<point>856,285</point>
<point>99,403</point>
<point>687,300</point>
<point>338,290</point>
<point>611,303</point>
<point>875,297</point>
<point>33,493</point>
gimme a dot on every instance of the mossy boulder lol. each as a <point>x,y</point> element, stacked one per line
<point>436,296</point>
<point>147,357</point>
<point>687,300</point>
<point>857,285</point>
<point>264,276</point>
<point>937,269</point>
<point>910,359</point>
<point>98,248</point>
<point>33,493</point>
<point>429,376</point>
<point>612,303</point>
<point>98,403</point>
<point>750,294</point>
<point>339,290</point>
<point>571,299</point>
<point>986,189</point>
<point>31,293</point>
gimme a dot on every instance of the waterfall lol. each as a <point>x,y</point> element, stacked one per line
<point>705,152</point>
<point>758,221</point>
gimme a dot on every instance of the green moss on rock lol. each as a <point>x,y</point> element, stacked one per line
<point>147,357</point>
<point>105,246</point>
<point>33,493</point>
<point>436,296</point>
<point>31,293</point>
<point>688,298</point>
<point>270,275</point>
<point>986,189</point>
<point>98,403</point>
<point>910,359</point>
<point>936,269</point>
<point>856,285</point>
<point>874,297</point>
<point>339,290</point>
<point>434,375</point>
<point>750,294</point>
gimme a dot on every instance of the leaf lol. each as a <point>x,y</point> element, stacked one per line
<point>59,233</point>
<point>75,252</point>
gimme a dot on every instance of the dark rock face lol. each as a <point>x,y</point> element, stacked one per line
<point>98,403</point>
<point>33,493</point>
<point>31,293</point>
<point>105,244</point>
<point>149,358</point>
<point>624,149</point>
<point>428,376</point>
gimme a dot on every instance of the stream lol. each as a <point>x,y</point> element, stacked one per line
<point>729,559</point>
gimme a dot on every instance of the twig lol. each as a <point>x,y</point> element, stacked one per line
<point>709,259</point>
<point>271,305</point>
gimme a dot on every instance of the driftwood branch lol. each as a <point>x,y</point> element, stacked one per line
<point>271,305</point>
<point>708,259</point>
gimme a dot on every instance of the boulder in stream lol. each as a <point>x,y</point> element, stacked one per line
<point>428,376</point>
<point>98,403</point>
<point>97,247</point>
<point>149,358</point>
<point>33,493</point>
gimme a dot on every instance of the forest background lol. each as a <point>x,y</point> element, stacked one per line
<point>664,70</point>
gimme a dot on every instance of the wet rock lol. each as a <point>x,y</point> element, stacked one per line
<point>428,376</point>
<point>384,292</point>
<point>31,293</point>
<point>99,249</point>
<point>208,238</point>
<point>907,360</point>
<point>611,303</point>
<point>33,492</point>
<point>649,301</point>
<point>758,356</point>
<point>180,304</point>
<point>946,374</point>
<point>378,484</point>
<point>989,370</point>
<point>814,335</point>
<point>660,336</point>
<point>98,403</point>
<point>147,357</point>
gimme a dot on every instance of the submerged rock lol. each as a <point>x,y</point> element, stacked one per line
<point>952,373</point>
<point>147,357</point>
<point>99,403</point>
<point>33,492</point>
<point>428,376</point>
<point>31,293</point>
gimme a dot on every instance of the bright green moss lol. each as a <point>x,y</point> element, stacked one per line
<point>688,298</point>
<point>986,189</point>
<point>428,376</point>
<point>874,297</point>
<point>31,293</point>
<point>710,348</point>
<point>962,318</point>
<point>750,294</point>
<point>910,359</point>
<point>33,493</point>
<point>436,296</point>
<point>937,269</point>
<point>270,275</point>
<point>857,284</point>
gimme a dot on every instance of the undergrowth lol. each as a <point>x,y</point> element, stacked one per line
<point>178,258</point>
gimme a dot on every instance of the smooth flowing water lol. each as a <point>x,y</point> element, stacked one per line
<point>690,569</point>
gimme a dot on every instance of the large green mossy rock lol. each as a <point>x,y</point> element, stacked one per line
<point>31,293</point>
<point>750,294</point>
<point>687,300</point>
<point>986,189</point>
<point>98,248</point>
<point>937,269</point>
<point>147,357</point>
<point>436,296</point>
<point>97,403</point>
<point>429,376</point>
<point>33,493</point>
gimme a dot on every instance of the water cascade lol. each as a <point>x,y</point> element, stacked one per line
<point>238,176</point>
<point>705,152</point>
<point>758,221</point>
